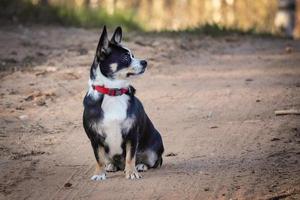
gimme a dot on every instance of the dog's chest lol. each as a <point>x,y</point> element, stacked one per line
<point>114,121</point>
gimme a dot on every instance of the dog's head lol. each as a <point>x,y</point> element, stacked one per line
<point>115,61</point>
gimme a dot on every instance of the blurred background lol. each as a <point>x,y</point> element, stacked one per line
<point>277,17</point>
<point>222,86</point>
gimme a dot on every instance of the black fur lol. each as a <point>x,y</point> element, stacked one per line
<point>142,134</point>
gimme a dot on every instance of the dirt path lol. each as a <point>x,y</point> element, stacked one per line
<point>213,100</point>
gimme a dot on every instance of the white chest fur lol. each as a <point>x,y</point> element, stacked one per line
<point>114,109</point>
<point>114,120</point>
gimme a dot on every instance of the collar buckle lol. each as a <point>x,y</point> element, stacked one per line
<point>118,92</point>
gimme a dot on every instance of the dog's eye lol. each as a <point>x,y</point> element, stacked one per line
<point>125,59</point>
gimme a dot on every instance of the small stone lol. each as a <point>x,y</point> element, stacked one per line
<point>288,49</point>
<point>206,189</point>
<point>40,54</point>
<point>13,92</point>
<point>23,117</point>
<point>275,139</point>
<point>67,185</point>
<point>171,154</point>
<point>83,51</point>
<point>20,108</point>
<point>41,102</point>
<point>51,69</point>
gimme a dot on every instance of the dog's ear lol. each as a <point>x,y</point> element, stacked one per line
<point>117,36</point>
<point>102,48</point>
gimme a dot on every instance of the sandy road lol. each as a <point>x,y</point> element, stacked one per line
<point>213,100</point>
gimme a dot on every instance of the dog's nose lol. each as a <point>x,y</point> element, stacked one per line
<point>144,63</point>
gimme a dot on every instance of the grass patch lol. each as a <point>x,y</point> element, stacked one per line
<point>213,30</point>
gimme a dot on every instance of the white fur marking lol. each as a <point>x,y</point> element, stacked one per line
<point>113,66</point>
<point>141,167</point>
<point>99,177</point>
<point>114,112</point>
<point>152,157</point>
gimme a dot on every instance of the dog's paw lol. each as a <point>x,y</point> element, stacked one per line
<point>99,177</point>
<point>132,175</point>
<point>110,168</point>
<point>141,167</point>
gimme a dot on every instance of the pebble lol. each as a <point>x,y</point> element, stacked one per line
<point>23,117</point>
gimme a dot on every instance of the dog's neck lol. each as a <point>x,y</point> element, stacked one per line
<point>102,80</point>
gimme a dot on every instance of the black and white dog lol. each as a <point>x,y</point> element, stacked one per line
<point>121,134</point>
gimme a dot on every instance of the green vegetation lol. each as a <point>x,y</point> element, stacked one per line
<point>27,12</point>
<point>213,30</point>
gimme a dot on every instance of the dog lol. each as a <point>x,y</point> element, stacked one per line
<point>121,134</point>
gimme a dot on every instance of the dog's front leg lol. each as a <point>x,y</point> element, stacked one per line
<point>100,173</point>
<point>130,170</point>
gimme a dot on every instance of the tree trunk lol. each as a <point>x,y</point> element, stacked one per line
<point>297,27</point>
<point>44,2</point>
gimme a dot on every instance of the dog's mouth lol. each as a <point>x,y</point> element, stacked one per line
<point>130,74</point>
<point>135,74</point>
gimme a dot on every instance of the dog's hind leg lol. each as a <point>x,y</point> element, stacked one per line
<point>148,159</point>
<point>141,167</point>
<point>100,165</point>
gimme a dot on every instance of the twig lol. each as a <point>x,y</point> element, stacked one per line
<point>287,112</point>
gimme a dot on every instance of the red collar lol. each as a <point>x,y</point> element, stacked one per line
<point>110,91</point>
